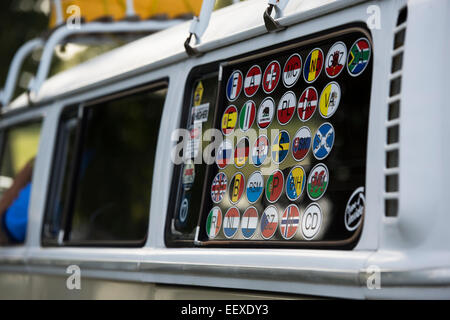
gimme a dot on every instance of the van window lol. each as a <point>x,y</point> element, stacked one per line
<point>101,190</point>
<point>20,146</point>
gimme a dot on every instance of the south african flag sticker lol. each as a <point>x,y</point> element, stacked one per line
<point>358,57</point>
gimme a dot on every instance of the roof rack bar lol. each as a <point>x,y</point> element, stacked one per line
<point>271,24</point>
<point>130,8</point>
<point>58,11</point>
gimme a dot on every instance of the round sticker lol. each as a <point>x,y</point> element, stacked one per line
<point>229,120</point>
<point>265,112</point>
<point>301,143</point>
<point>313,65</point>
<point>255,186</point>
<point>231,222</point>
<point>219,187</point>
<point>329,99</point>
<point>247,115</point>
<point>323,141</point>
<point>252,81</point>
<point>295,183</point>
<point>335,60</point>
<point>249,222</point>
<point>260,150</point>
<point>292,70</point>
<point>188,177</point>
<point>280,147</point>
<point>318,181</point>
<point>271,76</point>
<point>307,104</point>
<point>358,57</point>
<point>236,188</point>
<point>213,222</point>
<point>269,222</point>
<point>224,152</point>
<point>234,85</point>
<point>241,152</point>
<point>184,209</point>
<point>274,186</point>
<point>355,209</point>
<point>290,222</point>
<point>286,107</point>
<point>311,221</point>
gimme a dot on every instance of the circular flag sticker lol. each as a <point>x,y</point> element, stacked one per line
<point>224,152</point>
<point>355,209</point>
<point>231,222</point>
<point>265,112</point>
<point>234,85</point>
<point>249,222</point>
<point>213,222</point>
<point>335,60</point>
<point>295,183</point>
<point>241,152</point>
<point>229,120</point>
<point>188,177</point>
<point>260,150</point>
<point>236,188</point>
<point>292,70</point>
<point>313,65</point>
<point>286,107</point>
<point>290,222</point>
<point>269,222</point>
<point>247,115</point>
<point>280,147</point>
<point>311,221</point>
<point>358,57</point>
<point>274,186</point>
<point>252,81</point>
<point>323,141</point>
<point>219,187</point>
<point>184,210</point>
<point>318,181</point>
<point>271,76</point>
<point>255,186</point>
<point>307,104</point>
<point>329,99</point>
<point>301,143</point>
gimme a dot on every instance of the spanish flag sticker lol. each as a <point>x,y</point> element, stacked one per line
<point>313,65</point>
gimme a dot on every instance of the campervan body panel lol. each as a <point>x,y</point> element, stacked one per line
<point>409,250</point>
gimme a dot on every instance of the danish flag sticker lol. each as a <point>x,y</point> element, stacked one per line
<point>307,104</point>
<point>292,70</point>
<point>271,77</point>
<point>252,81</point>
<point>234,85</point>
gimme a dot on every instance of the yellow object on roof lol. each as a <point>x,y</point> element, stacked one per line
<point>93,9</point>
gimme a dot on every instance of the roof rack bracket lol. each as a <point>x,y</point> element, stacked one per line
<point>198,27</point>
<point>191,51</point>
<point>271,24</point>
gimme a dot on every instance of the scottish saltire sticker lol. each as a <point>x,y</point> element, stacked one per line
<point>247,115</point>
<point>236,187</point>
<point>231,222</point>
<point>301,143</point>
<point>335,60</point>
<point>290,220</point>
<point>358,57</point>
<point>255,186</point>
<point>224,153</point>
<point>318,181</point>
<point>252,81</point>
<point>313,65</point>
<point>295,183</point>
<point>271,76</point>
<point>266,112</point>
<point>307,104</point>
<point>219,187</point>
<point>260,150</point>
<point>354,210</point>
<point>249,222</point>
<point>323,141</point>
<point>292,70</point>
<point>213,222</point>
<point>286,107</point>
<point>329,99</point>
<point>311,221</point>
<point>269,222</point>
<point>274,186</point>
<point>241,152</point>
<point>280,147</point>
<point>234,85</point>
<point>188,176</point>
<point>229,120</point>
